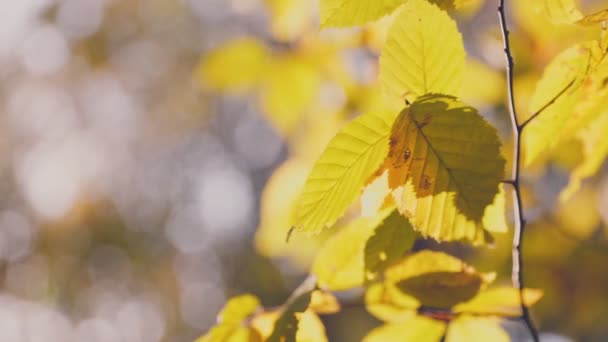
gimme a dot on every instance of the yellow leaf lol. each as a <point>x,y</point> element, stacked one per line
<point>561,82</point>
<point>436,279</point>
<point>343,13</point>
<point>231,333</point>
<point>291,18</point>
<point>310,328</point>
<point>238,65</point>
<point>443,176</point>
<point>339,264</point>
<point>324,302</point>
<point>594,18</point>
<point>341,171</point>
<point>239,308</point>
<point>419,329</point>
<point>286,327</point>
<point>566,12</point>
<point>423,54</point>
<point>476,329</point>
<point>562,11</point>
<point>499,301</point>
<point>230,327</point>
<point>391,239</point>
<point>595,151</point>
<point>385,302</point>
<point>289,87</point>
<point>487,93</point>
<point>376,196</point>
<point>453,4</point>
<point>276,214</point>
<point>494,217</point>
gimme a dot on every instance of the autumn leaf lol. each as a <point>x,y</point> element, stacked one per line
<point>391,239</point>
<point>417,328</point>
<point>442,175</point>
<point>342,170</point>
<point>423,54</point>
<point>340,262</point>
<point>230,327</point>
<point>343,13</point>
<point>566,12</point>
<point>499,301</point>
<point>476,329</point>
<point>235,66</point>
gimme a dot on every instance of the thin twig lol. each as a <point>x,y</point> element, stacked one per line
<point>520,223</point>
<point>542,109</point>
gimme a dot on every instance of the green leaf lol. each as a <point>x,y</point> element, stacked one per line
<point>339,264</point>
<point>341,171</point>
<point>419,329</point>
<point>390,241</point>
<point>499,301</point>
<point>442,174</point>
<point>343,13</point>
<point>423,54</point>
<point>475,329</point>
<point>286,327</point>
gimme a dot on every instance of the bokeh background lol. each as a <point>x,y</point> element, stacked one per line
<point>151,150</point>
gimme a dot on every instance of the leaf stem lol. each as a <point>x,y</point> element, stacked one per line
<point>520,223</point>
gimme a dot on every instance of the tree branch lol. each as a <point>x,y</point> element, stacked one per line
<point>527,121</point>
<point>520,223</point>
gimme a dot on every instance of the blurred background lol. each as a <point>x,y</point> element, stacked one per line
<point>151,151</point>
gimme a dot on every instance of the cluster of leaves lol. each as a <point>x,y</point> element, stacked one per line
<point>424,164</point>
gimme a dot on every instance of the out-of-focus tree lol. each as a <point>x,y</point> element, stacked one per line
<point>398,112</point>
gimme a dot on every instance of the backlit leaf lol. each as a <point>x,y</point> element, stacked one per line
<point>595,151</point>
<point>494,217</point>
<point>310,328</point>
<point>230,319</point>
<point>239,308</point>
<point>423,54</point>
<point>419,329</point>
<point>436,279</point>
<point>286,327</point>
<point>385,302</point>
<point>499,301</point>
<point>442,174</point>
<point>562,11</point>
<point>561,81</point>
<point>324,302</point>
<point>342,13</point>
<point>476,329</point>
<point>237,65</point>
<point>290,18</point>
<point>276,214</point>
<point>391,239</point>
<point>566,12</point>
<point>290,86</point>
<point>340,173</point>
<point>426,278</point>
<point>339,264</point>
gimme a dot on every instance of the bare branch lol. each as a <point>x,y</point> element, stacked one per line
<point>523,124</point>
<point>520,223</point>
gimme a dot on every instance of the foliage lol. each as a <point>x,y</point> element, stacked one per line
<point>426,166</point>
